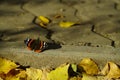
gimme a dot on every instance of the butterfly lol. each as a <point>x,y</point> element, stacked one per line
<point>36,44</point>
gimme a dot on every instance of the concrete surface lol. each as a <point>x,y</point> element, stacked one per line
<point>97,36</point>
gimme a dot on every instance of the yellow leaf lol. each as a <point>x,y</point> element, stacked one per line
<point>22,74</point>
<point>44,19</point>
<point>74,67</point>
<point>42,24</point>
<point>75,78</point>
<point>60,73</point>
<point>66,24</point>
<point>6,65</point>
<point>111,70</point>
<point>33,74</point>
<point>45,74</point>
<point>89,66</point>
<point>1,78</point>
<point>88,77</point>
<point>12,78</point>
<point>105,70</point>
<point>16,75</point>
<point>101,78</point>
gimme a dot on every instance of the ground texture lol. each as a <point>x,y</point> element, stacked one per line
<point>97,36</point>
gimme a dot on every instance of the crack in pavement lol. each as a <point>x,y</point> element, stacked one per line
<point>27,11</point>
<point>112,41</point>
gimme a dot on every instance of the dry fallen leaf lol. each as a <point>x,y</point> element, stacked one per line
<point>58,16</point>
<point>33,74</point>
<point>66,24</point>
<point>75,78</point>
<point>43,21</point>
<point>89,66</point>
<point>100,77</point>
<point>42,24</point>
<point>22,74</point>
<point>45,74</point>
<point>74,67</point>
<point>88,70</point>
<point>88,77</point>
<point>61,73</point>
<point>6,65</point>
<point>111,70</point>
<point>16,75</point>
<point>1,78</point>
<point>12,78</point>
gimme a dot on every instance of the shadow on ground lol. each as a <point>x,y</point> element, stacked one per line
<point>53,46</point>
<point>34,29</point>
<point>12,2</point>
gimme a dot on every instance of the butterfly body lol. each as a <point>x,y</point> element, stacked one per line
<point>36,44</point>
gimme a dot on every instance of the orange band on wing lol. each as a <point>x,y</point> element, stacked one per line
<point>30,43</point>
<point>29,48</point>
<point>41,44</point>
<point>37,51</point>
